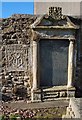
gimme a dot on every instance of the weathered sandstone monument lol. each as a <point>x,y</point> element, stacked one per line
<point>40,56</point>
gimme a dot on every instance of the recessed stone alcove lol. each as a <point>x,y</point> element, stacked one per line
<point>53,68</point>
<point>53,60</point>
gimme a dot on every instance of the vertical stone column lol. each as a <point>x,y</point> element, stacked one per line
<point>70,63</point>
<point>34,85</point>
<point>34,65</point>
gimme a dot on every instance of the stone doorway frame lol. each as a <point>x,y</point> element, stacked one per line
<point>71,64</point>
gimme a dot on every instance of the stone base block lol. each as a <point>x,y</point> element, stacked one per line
<point>36,96</point>
<point>52,93</point>
<point>70,93</point>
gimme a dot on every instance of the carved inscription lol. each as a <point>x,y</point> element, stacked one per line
<point>16,57</point>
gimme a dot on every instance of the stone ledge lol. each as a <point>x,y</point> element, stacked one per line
<point>59,88</point>
<point>46,94</point>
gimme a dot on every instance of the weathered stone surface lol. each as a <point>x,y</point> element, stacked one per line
<point>63,94</point>
<point>3,90</point>
<point>74,111</point>
<point>16,28</point>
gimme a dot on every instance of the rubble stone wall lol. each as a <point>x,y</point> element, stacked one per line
<point>16,50</point>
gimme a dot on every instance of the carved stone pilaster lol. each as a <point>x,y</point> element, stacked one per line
<point>34,65</point>
<point>70,63</point>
